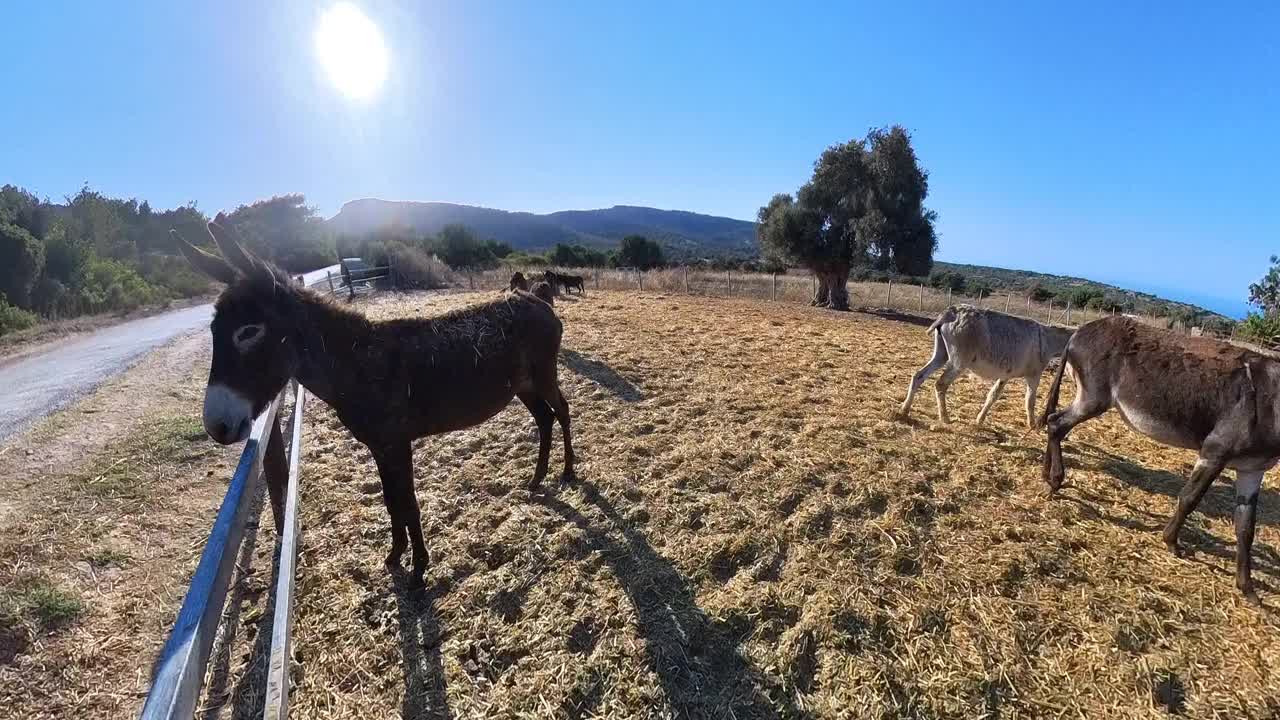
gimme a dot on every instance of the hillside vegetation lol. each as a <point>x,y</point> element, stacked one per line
<point>1082,292</point>
<point>682,232</point>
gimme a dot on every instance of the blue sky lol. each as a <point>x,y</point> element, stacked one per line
<point>1133,143</point>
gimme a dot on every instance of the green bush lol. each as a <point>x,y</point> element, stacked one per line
<point>21,263</point>
<point>523,259</point>
<point>174,275</point>
<point>1040,293</point>
<point>13,318</point>
<point>110,286</point>
<point>947,280</point>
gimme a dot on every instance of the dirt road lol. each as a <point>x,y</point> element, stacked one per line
<point>43,382</point>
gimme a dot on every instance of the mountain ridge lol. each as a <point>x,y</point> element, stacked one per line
<point>680,230</point>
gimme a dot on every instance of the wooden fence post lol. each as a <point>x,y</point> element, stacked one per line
<point>329,275</point>
<point>775,286</point>
<point>1049,317</point>
<point>948,297</point>
<point>888,295</point>
<point>921,308</point>
<point>1028,304</point>
<point>640,278</point>
<point>1068,311</point>
<point>1008,298</point>
<point>686,279</point>
<point>728,282</point>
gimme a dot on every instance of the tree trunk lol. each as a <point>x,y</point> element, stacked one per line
<point>832,289</point>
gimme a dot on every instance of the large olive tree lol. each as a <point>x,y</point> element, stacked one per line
<point>864,204</point>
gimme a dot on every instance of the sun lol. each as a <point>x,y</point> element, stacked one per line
<point>350,48</point>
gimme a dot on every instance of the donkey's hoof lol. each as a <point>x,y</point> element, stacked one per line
<point>1251,597</point>
<point>1174,548</point>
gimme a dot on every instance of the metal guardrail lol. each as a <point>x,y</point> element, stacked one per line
<point>364,279</point>
<point>277,702</point>
<point>180,670</point>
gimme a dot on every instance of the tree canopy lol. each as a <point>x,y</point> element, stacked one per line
<point>864,204</point>
<point>94,253</point>
<point>1265,294</point>
<point>640,252</point>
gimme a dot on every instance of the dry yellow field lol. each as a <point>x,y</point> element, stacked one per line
<point>753,535</point>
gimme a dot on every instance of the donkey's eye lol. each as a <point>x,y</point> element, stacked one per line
<point>247,336</point>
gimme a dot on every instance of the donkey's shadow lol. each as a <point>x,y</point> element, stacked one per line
<point>1218,502</point>
<point>421,662</point>
<point>602,375</point>
<point>696,659</point>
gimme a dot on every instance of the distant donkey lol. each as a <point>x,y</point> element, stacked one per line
<point>542,291</point>
<point>518,282</point>
<point>1205,395</point>
<point>993,346</point>
<point>389,382</point>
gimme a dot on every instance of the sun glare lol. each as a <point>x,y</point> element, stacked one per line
<point>351,51</point>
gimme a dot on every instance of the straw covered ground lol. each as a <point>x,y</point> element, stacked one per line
<point>753,535</point>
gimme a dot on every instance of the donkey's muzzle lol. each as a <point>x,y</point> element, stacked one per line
<point>228,415</point>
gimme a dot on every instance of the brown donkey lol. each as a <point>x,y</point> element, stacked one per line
<point>389,382</point>
<point>1188,392</point>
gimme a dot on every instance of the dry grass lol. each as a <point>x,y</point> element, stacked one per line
<point>798,287</point>
<point>753,536</point>
<point>104,509</point>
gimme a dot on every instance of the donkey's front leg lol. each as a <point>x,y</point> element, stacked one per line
<point>1248,484</point>
<point>395,467</point>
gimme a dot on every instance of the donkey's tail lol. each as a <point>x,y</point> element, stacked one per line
<point>1051,403</point>
<point>947,316</point>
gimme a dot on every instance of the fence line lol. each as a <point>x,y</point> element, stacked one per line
<point>919,298</point>
<point>180,670</point>
<point>277,696</point>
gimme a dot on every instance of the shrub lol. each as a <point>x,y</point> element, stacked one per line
<point>21,262</point>
<point>413,269</point>
<point>13,318</point>
<point>174,275</point>
<point>1040,293</point>
<point>947,280</point>
<point>110,285</point>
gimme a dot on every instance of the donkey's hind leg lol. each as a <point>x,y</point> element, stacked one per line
<point>549,391</point>
<point>543,416</point>
<point>996,388</point>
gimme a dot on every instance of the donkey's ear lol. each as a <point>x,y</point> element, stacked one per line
<point>228,241</point>
<point>207,263</point>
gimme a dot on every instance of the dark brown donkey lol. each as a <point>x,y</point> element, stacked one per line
<point>390,382</point>
<point>1188,392</point>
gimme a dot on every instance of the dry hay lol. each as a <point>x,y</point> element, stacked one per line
<point>753,535</point>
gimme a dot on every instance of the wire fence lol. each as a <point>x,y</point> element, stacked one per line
<point>800,288</point>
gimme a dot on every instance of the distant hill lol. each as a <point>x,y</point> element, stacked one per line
<point>685,233</point>
<point>1003,279</point>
